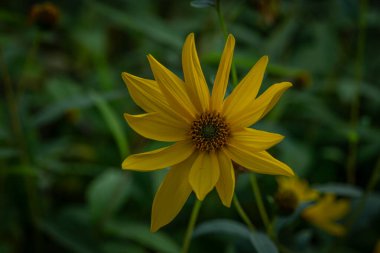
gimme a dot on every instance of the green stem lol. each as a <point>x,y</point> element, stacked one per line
<point>25,161</point>
<point>225,33</point>
<point>260,204</point>
<point>243,214</point>
<point>355,107</point>
<point>190,226</point>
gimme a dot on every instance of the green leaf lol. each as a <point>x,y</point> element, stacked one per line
<point>340,189</point>
<point>113,123</point>
<point>202,3</point>
<point>148,25</point>
<point>107,193</point>
<point>140,233</point>
<point>260,241</point>
<point>66,237</point>
<point>283,221</point>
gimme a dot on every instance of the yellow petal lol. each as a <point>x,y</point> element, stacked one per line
<point>171,195</point>
<point>222,76</point>
<point>204,174</point>
<point>245,93</point>
<point>326,213</point>
<point>158,126</point>
<point>260,162</point>
<point>260,107</point>
<point>159,158</point>
<point>226,183</point>
<point>194,79</point>
<point>173,88</point>
<point>255,139</point>
<point>144,92</point>
<point>147,94</point>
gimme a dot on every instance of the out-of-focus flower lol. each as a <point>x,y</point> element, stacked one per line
<point>326,213</point>
<point>44,15</point>
<point>293,191</point>
<point>209,131</point>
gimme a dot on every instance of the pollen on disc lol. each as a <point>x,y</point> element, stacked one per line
<point>209,131</point>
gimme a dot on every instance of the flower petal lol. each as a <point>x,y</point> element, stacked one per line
<point>245,93</point>
<point>222,76</point>
<point>173,88</point>
<point>226,183</point>
<point>260,162</point>
<point>144,92</point>
<point>171,195</point>
<point>255,139</point>
<point>261,106</point>
<point>158,126</point>
<point>159,158</point>
<point>194,79</point>
<point>147,94</point>
<point>204,174</point>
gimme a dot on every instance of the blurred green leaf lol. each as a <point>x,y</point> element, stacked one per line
<point>113,123</point>
<point>148,25</point>
<point>202,3</point>
<point>68,238</point>
<point>140,233</point>
<point>340,189</point>
<point>122,247</point>
<point>260,241</point>
<point>283,221</point>
<point>107,193</point>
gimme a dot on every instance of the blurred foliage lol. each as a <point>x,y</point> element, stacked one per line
<point>63,137</point>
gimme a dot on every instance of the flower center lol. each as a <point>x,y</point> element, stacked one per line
<point>287,201</point>
<point>209,131</point>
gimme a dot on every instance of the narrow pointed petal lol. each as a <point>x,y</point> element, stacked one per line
<point>255,139</point>
<point>171,195</point>
<point>260,162</point>
<point>158,126</point>
<point>159,158</point>
<point>173,88</point>
<point>226,183</point>
<point>204,174</point>
<point>147,94</point>
<point>194,79</point>
<point>246,92</point>
<point>261,106</point>
<point>222,76</point>
<point>144,92</point>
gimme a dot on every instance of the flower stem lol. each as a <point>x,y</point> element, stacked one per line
<point>190,226</point>
<point>355,107</point>
<point>242,213</point>
<point>260,204</point>
<point>225,33</point>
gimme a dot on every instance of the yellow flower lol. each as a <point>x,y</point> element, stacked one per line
<point>293,191</point>
<point>209,131</point>
<point>325,214</point>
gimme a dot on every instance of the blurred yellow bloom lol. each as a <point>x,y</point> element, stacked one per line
<point>209,131</point>
<point>291,192</point>
<point>326,212</point>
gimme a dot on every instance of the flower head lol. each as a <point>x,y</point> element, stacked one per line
<point>324,213</point>
<point>45,15</point>
<point>293,191</point>
<point>208,131</point>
